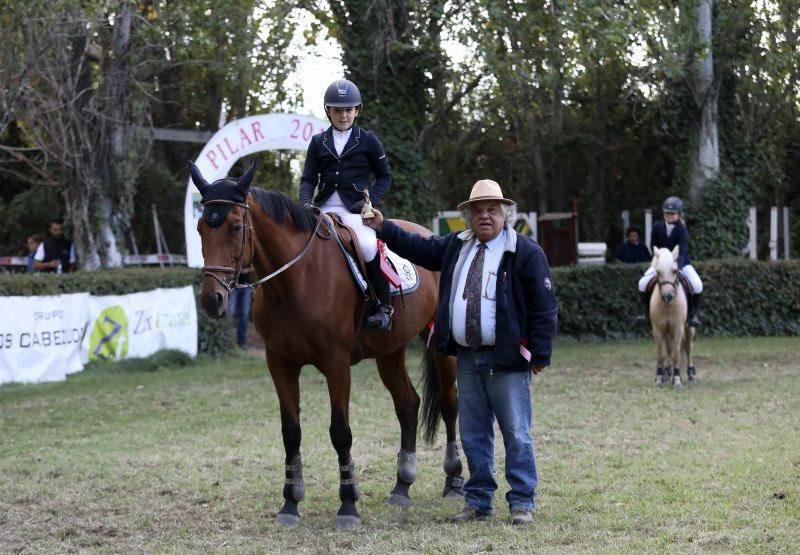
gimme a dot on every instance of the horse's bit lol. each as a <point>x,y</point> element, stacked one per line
<point>248,230</point>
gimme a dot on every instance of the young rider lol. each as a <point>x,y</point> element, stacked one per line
<point>665,235</point>
<point>340,164</point>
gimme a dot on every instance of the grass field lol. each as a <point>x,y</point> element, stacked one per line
<point>190,459</point>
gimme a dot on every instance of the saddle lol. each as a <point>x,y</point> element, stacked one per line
<point>389,261</point>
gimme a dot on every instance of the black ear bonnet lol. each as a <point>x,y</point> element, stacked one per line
<point>228,188</point>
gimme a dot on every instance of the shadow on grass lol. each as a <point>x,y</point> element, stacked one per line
<point>166,359</point>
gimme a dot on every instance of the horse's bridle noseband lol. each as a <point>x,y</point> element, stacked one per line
<point>247,231</point>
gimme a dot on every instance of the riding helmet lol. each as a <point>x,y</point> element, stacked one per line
<point>672,204</point>
<point>342,94</point>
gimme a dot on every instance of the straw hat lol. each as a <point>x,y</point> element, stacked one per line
<point>486,189</point>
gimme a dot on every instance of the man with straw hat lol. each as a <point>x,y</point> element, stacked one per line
<point>497,313</point>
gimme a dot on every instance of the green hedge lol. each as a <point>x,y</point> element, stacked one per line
<point>214,336</point>
<point>740,297</point>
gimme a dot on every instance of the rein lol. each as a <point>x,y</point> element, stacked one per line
<point>233,283</point>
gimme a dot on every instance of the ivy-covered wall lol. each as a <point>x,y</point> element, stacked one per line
<point>214,336</point>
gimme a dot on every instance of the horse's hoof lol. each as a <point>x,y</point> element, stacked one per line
<point>396,500</point>
<point>453,493</point>
<point>347,522</point>
<point>659,381</point>
<point>676,383</point>
<point>287,519</point>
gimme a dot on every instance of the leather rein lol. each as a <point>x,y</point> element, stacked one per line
<point>236,271</point>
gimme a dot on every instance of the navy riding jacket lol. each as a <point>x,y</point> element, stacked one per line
<point>527,311</point>
<point>679,236</point>
<point>350,173</point>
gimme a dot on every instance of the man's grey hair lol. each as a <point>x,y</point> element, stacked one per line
<point>509,214</point>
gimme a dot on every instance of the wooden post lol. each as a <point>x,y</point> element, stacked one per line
<point>773,233</point>
<point>648,226</point>
<point>786,232</point>
<point>752,243</point>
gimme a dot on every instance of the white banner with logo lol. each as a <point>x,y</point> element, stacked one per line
<point>139,324</point>
<point>40,337</point>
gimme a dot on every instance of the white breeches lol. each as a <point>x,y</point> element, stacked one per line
<point>688,271</point>
<point>366,235</point>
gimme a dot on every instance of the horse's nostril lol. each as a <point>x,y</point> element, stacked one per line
<point>220,299</point>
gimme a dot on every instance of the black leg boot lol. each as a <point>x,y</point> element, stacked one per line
<point>381,318</point>
<point>694,304</point>
<point>644,298</point>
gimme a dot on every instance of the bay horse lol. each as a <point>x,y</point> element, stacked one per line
<point>308,310</point>
<point>668,309</point>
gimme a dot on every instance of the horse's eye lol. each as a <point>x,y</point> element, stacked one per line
<point>237,227</point>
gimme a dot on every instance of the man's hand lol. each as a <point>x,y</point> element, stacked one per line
<point>537,368</point>
<point>375,223</point>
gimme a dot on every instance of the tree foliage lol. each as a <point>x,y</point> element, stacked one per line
<point>590,103</point>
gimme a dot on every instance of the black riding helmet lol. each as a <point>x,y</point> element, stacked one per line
<point>342,94</point>
<point>672,204</point>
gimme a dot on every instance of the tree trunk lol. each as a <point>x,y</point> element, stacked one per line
<point>704,164</point>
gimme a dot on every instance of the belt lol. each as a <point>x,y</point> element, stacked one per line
<point>481,349</point>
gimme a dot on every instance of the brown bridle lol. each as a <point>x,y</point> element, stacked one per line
<point>247,231</point>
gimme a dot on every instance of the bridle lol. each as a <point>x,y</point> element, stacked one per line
<point>674,283</point>
<point>247,231</point>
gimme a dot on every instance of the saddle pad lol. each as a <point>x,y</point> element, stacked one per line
<point>407,272</point>
<point>405,269</point>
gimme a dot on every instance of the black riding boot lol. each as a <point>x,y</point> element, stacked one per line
<point>381,318</point>
<point>644,298</point>
<point>694,304</point>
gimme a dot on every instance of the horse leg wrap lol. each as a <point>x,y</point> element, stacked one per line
<point>406,466</point>
<point>452,461</point>
<point>293,486</point>
<point>348,483</point>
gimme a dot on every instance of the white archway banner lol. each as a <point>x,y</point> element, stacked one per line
<point>237,139</point>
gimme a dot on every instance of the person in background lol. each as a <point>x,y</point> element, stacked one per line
<point>33,244</point>
<point>632,250</point>
<point>239,308</point>
<point>669,233</point>
<point>497,313</point>
<point>56,253</point>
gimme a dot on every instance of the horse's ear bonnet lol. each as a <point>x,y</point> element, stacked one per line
<point>227,188</point>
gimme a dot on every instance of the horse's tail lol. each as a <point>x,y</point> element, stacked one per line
<point>431,403</point>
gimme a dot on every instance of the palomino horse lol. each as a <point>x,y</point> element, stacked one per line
<point>668,306</point>
<point>308,311</point>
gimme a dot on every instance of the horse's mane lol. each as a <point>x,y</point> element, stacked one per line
<point>278,205</point>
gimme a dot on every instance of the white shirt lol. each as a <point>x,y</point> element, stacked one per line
<point>670,227</point>
<point>340,139</point>
<point>491,262</point>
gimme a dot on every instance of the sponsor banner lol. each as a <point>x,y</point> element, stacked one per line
<point>40,337</point>
<point>235,140</point>
<point>139,324</point>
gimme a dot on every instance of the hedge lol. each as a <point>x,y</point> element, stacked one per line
<point>741,297</point>
<point>214,336</point>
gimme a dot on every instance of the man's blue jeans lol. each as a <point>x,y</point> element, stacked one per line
<point>239,307</point>
<point>484,395</point>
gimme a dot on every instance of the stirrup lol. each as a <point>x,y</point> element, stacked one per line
<point>381,319</point>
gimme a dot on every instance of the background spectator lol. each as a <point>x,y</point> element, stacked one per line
<point>55,252</point>
<point>632,250</point>
<point>33,244</point>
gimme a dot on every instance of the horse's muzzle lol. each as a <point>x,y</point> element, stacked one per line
<point>213,298</point>
<point>668,297</point>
